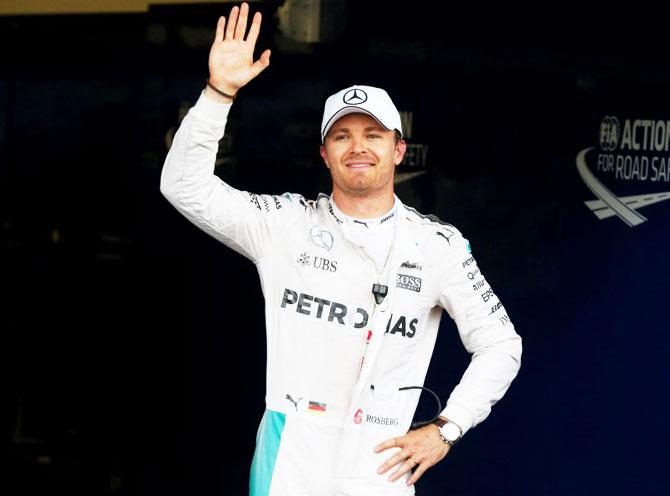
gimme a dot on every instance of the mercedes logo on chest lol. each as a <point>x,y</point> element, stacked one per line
<point>355,96</point>
<point>321,237</point>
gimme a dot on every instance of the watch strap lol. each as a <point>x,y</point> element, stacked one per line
<point>440,421</point>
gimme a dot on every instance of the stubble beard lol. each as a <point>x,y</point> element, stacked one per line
<point>363,187</point>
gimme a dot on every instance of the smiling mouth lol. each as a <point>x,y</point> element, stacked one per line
<point>359,166</point>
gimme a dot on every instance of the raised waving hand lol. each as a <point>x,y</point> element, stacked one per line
<point>231,58</point>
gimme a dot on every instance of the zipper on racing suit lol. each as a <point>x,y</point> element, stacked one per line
<point>375,304</point>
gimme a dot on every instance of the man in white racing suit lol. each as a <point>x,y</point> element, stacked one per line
<point>354,285</point>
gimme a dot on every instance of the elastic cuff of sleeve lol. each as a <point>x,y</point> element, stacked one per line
<point>210,110</point>
<point>458,415</point>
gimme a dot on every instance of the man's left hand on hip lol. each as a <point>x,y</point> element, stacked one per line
<point>421,448</point>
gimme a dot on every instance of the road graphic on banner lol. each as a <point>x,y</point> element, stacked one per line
<point>401,177</point>
<point>608,204</point>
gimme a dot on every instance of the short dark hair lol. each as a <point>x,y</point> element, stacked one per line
<point>397,136</point>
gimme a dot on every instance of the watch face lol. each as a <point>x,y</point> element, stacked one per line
<point>450,431</point>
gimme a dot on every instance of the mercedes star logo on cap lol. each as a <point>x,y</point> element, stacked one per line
<point>355,97</point>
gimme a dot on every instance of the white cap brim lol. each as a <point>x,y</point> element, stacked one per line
<point>347,111</point>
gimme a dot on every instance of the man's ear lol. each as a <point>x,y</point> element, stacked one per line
<point>400,149</point>
<point>324,155</point>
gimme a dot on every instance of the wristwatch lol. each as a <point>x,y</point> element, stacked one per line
<point>449,431</point>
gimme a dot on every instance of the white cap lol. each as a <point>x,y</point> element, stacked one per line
<point>364,99</point>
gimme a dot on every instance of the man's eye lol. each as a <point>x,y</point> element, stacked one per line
<point>372,135</point>
<point>340,137</point>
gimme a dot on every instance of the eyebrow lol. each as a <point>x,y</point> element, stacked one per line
<point>369,128</point>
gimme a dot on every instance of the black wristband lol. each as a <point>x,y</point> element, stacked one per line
<point>232,97</point>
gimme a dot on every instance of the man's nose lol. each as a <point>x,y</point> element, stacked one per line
<point>358,144</point>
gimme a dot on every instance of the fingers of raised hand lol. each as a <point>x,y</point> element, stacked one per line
<point>261,63</point>
<point>241,26</point>
<point>232,22</point>
<point>220,26</point>
<point>264,59</point>
<point>236,25</point>
<point>255,28</point>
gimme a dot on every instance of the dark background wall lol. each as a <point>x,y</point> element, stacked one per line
<point>135,343</point>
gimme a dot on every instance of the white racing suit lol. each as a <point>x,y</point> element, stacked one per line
<point>335,358</point>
